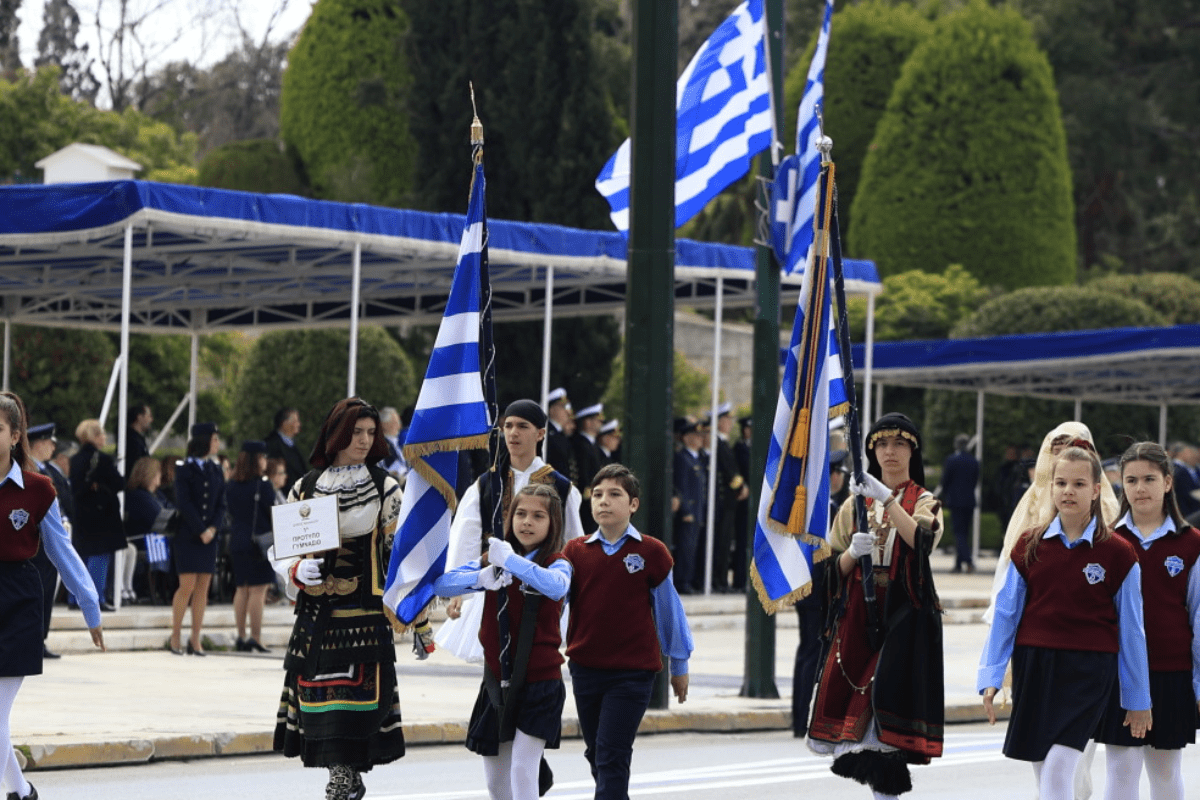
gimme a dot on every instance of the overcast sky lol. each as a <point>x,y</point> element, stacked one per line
<point>198,31</point>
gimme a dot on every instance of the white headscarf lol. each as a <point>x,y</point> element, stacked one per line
<point>1037,508</point>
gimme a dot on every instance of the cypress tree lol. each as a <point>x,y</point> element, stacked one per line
<point>868,45</point>
<point>969,162</point>
<point>548,120</point>
<point>10,45</point>
<point>344,102</point>
<point>57,46</point>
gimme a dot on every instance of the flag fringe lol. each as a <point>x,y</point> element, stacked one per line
<point>415,454</point>
<point>782,604</point>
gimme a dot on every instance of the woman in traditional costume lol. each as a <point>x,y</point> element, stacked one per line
<point>879,705</point>
<point>340,708</point>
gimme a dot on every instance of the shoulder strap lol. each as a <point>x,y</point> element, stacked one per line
<point>308,483</point>
<point>508,711</point>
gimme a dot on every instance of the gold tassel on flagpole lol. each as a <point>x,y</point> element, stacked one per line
<point>798,444</point>
<point>799,505</point>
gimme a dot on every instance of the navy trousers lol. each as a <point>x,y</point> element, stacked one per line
<point>962,519</point>
<point>610,704</point>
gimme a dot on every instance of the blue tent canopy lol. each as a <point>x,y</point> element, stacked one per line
<point>211,259</point>
<point>1147,366</point>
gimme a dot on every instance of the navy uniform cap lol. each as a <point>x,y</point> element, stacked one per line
<point>203,429</point>
<point>43,431</point>
<point>254,446</point>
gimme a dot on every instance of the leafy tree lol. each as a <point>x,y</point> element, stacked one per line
<point>1175,298</point>
<point>61,374</point>
<point>57,46</point>
<point>691,389</point>
<point>579,350</point>
<point>36,120</point>
<point>918,305</point>
<point>307,370</point>
<point>10,45</point>
<point>968,164</point>
<point>548,121</point>
<point>344,101</point>
<point>868,45</point>
<point>1126,75</point>
<point>1025,420</point>
<point>256,165</point>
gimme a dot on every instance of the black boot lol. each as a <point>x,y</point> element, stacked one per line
<point>33,795</point>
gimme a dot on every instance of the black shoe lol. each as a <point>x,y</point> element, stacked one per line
<point>33,795</point>
<point>191,651</point>
<point>176,650</point>
<point>252,646</point>
<point>47,653</point>
<point>107,607</point>
<point>240,645</point>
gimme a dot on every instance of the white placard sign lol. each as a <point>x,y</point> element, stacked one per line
<point>305,526</point>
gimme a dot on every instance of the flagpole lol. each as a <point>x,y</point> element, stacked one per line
<point>827,205</point>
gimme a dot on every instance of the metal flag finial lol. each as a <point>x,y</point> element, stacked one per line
<point>824,143</point>
<point>476,125</point>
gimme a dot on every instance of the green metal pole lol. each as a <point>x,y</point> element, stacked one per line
<point>650,299</point>
<point>759,671</point>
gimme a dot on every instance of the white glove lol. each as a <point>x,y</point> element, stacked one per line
<point>491,579</point>
<point>308,571</point>
<point>871,487</point>
<point>499,552</point>
<point>861,544</point>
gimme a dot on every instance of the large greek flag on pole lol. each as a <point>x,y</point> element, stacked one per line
<point>794,193</point>
<point>792,525</point>
<point>451,415</point>
<point>723,119</point>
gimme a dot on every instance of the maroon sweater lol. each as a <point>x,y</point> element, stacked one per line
<point>1166,569</point>
<point>21,511</point>
<point>1070,600</point>
<point>544,658</point>
<point>612,608</point>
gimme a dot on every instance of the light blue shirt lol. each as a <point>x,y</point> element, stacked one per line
<point>1193,589</point>
<point>553,581</point>
<point>674,634</point>
<point>62,555</point>
<point>1133,668</point>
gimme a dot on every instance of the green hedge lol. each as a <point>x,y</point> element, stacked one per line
<point>344,102</point>
<point>969,162</point>
<point>254,165</point>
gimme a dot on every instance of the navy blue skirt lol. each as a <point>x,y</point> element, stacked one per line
<point>250,568</point>
<point>1175,715</point>
<point>539,714</point>
<point>21,626</point>
<point>1059,697</point>
<point>192,555</point>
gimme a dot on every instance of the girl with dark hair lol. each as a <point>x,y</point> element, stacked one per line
<point>511,728</point>
<point>1167,550</point>
<point>29,520</point>
<point>250,497</point>
<point>1070,618</point>
<point>340,708</point>
<point>200,499</point>
<point>879,704</point>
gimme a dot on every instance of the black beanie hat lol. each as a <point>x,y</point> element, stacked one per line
<point>528,411</point>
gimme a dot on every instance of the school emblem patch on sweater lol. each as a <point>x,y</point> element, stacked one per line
<point>1094,573</point>
<point>1174,565</point>
<point>18,518</point>
<point>634,563</point>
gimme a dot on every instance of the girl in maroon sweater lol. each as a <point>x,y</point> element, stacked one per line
<point>519,709</point>
<point>1167,549</point>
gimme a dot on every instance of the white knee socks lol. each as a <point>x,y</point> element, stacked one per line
<point>14,781</point>
<point>513,774</point>
<point>1056,775</point>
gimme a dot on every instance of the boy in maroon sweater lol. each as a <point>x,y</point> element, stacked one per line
<point>625,613</point>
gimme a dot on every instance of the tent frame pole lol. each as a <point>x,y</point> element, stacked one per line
<point>547,333</point>
<point>710,522</point>
<point>355,288</point>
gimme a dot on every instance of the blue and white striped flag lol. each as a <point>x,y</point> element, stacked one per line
<point>792,526</point>
<point>451,415</point>
<point>723,119</point>
<point>794,193</point>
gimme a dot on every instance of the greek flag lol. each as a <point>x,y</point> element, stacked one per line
<point>723,119</point>
<point>794,193</point>
<point>451,415</point>
<point>793,511</point>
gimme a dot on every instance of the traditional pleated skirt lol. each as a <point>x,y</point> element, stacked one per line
<point>1059,697</point>
<point>21,626</point>
<point>1175,714</point>
<point>539,714</point>
<point>340,703</point>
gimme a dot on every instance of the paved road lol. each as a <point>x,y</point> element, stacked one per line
<point>760,766</point>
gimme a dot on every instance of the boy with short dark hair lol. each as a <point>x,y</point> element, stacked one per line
<point>625,613</point>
